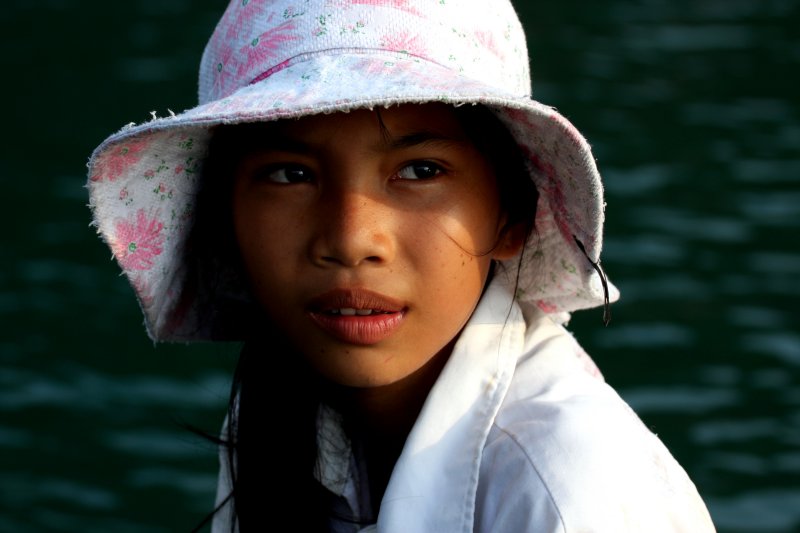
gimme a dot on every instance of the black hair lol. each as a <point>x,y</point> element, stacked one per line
<point>518,194</point>
<point>271,436</point>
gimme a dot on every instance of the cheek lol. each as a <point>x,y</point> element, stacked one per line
<point>264,240</point>
<point>450,254</point>
<point>471,223</point>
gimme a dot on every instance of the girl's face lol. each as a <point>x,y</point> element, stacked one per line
<point>367,237</point>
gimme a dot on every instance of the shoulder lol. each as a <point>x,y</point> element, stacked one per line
<point>566,453</point>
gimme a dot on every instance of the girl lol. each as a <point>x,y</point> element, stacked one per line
<point>370,200</point>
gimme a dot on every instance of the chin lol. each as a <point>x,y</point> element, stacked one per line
<point>357,374</point>
<point>361,380</point>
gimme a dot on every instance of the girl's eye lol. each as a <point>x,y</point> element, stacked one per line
<point>284,174</point>
<point>420,170</point>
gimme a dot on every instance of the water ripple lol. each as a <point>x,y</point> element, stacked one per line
<point>764,511</point>
<point>781,345</point>
<point>637,181</point>
<point>647,336</point>
<point>692,226</point>
<point>756,317</point>
<point>715,432</point>
<point>679,399</point>
<point>772,208</point>
<point>152,443</point>
<point>685,38</point>
<point>197,483</point>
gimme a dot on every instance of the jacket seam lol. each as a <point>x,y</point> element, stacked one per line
<point>532,464</point>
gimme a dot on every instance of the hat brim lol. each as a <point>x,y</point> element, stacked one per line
<point>143,182</point>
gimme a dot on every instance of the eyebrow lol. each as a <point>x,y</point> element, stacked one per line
<point>419,138</point>
<point>287,144</point>
<point>388,143</point>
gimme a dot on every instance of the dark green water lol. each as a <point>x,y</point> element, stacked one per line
<point>692,108</point>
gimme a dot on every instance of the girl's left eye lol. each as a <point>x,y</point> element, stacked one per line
<point>284,174</point>
<point>420,170</point>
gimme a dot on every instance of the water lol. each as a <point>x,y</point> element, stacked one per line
<point>692,110</point>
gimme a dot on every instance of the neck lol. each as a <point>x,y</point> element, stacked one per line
<point>388,412</point>
<point>381,418</point>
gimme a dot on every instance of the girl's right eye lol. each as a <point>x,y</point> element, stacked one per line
<point>420,170</point>
<point>283,174</point>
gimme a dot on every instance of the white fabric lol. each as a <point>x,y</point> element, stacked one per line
<point>520,434</point>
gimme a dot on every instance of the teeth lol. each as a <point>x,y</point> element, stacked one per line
<point>349,311</point>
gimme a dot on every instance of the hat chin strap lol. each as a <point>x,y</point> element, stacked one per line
<point>603,281</point>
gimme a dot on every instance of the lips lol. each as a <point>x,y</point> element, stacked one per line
<point>357,316</point>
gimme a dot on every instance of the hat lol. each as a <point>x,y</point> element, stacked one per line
<point>275,59</point>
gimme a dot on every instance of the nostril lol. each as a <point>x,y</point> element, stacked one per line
<point>333,260</point>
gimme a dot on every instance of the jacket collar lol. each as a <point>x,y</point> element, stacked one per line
<point>441,458</point>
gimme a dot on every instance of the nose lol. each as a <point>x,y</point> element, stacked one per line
<point>353,229</point>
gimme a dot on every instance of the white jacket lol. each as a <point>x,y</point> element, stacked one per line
<point>521,434</point>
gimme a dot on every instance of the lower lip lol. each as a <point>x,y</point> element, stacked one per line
<point>361,330</point>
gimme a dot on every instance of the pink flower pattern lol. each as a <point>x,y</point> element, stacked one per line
<point>265,47</point>
<point>143,290</point>
<point>552,189</point>
<point>115,161</point>
<point>546,307</point>
<point>372,67</point>
<point>400,5</point>
<point>224,47</point>
<point>405,42</point>
<point>137,242</point>
<point>486,40</point>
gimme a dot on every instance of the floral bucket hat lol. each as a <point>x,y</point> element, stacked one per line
<point>276,59</point>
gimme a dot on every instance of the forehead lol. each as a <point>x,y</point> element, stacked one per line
<point>433,119</point>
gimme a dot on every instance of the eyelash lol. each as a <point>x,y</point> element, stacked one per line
<point>417,165</point>
<point>287,174</point>
<point>268,174</point>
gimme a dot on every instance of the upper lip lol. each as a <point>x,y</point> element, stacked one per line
<point>354,299</point>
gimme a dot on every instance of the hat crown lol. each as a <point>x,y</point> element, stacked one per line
<point>482,40</point>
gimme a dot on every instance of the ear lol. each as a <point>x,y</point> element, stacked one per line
<point>511,240</point>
